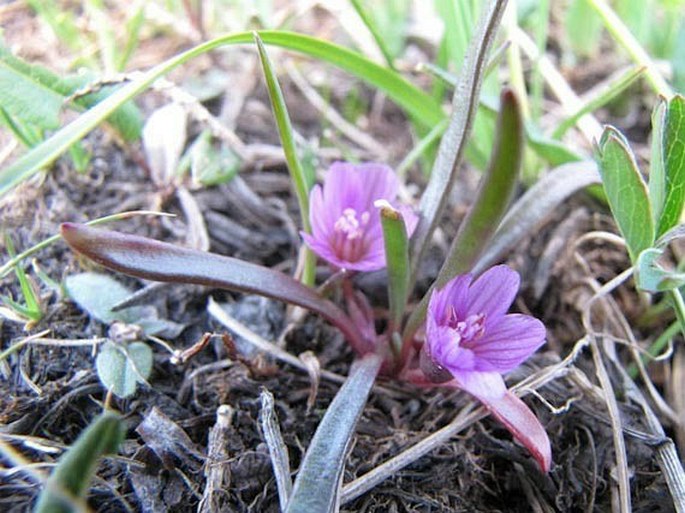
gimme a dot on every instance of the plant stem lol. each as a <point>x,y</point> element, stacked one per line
<point>631,45</point>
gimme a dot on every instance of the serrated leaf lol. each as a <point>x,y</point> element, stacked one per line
<point>674,164</point>
<point>626,191</point>
<point>121,368</point>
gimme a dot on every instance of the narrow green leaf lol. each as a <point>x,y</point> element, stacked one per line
<point>626,192</point>
<point>416,102</point>
<point>493,197</point>
<point>370,24</point>
<point>494,193</point>
<point>121,368</point>
<point>33,307</point>
<point>583,28</point>
<point>67,486</point>
<point>535,206</point>
<point>35,95</point>
<point>657,171</point>
<point>554,152</point>
<point>318,482</point>
<point>297,174</point>
<point>465,103</point>
<point>610,92</point>
<point>674,164</point>
<point>153,260</point>
<point>397,258</point>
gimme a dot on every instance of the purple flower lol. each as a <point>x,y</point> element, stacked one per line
<point>472,341</point>
<point>346,226</point>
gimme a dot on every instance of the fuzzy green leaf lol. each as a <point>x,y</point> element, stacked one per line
<point>318,481</point>
<point>121,368</point>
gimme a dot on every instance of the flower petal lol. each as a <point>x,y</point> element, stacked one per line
<point>521,422</point>
<point>454,294</point>
<point>508,343</point>
<point>493,292</point>
<point>481,385</point>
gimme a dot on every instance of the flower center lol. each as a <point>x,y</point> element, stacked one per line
<point>350,226</point>
<point>348,239</point>
<point>469,330</point>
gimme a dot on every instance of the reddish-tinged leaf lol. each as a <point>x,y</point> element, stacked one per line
<point>523,424</point>
<point>159,261</point>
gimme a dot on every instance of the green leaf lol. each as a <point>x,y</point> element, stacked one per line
<point>673,150</point>
<point>583,28</point>
<point>536,205</point>
<point>554,152</point>
<point>608,93</point>
<point>626,192</point>
<point>66,488</point>
<point>318,481</point>
<point>29,91</point>
<point>209,165</point>
<point>97,293</point>
<point>416,102</point>
<point>494,193</point>
<point>35,95</point>
<point>397,258</point>
<point>650,276</point>
<point>491,202</point>
<point>657,173</point>
<point>120,368</point>
<point>465,103</point>
<point>297,174</point>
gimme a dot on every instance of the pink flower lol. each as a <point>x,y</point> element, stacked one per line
<point>472,341</point>
<point>346,226</point>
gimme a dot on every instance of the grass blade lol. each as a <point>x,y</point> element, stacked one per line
<point>465,103</point>
<point>611,92</point>
<point>297,174</point>
<point>412,99</point>
<point>318,481</point>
